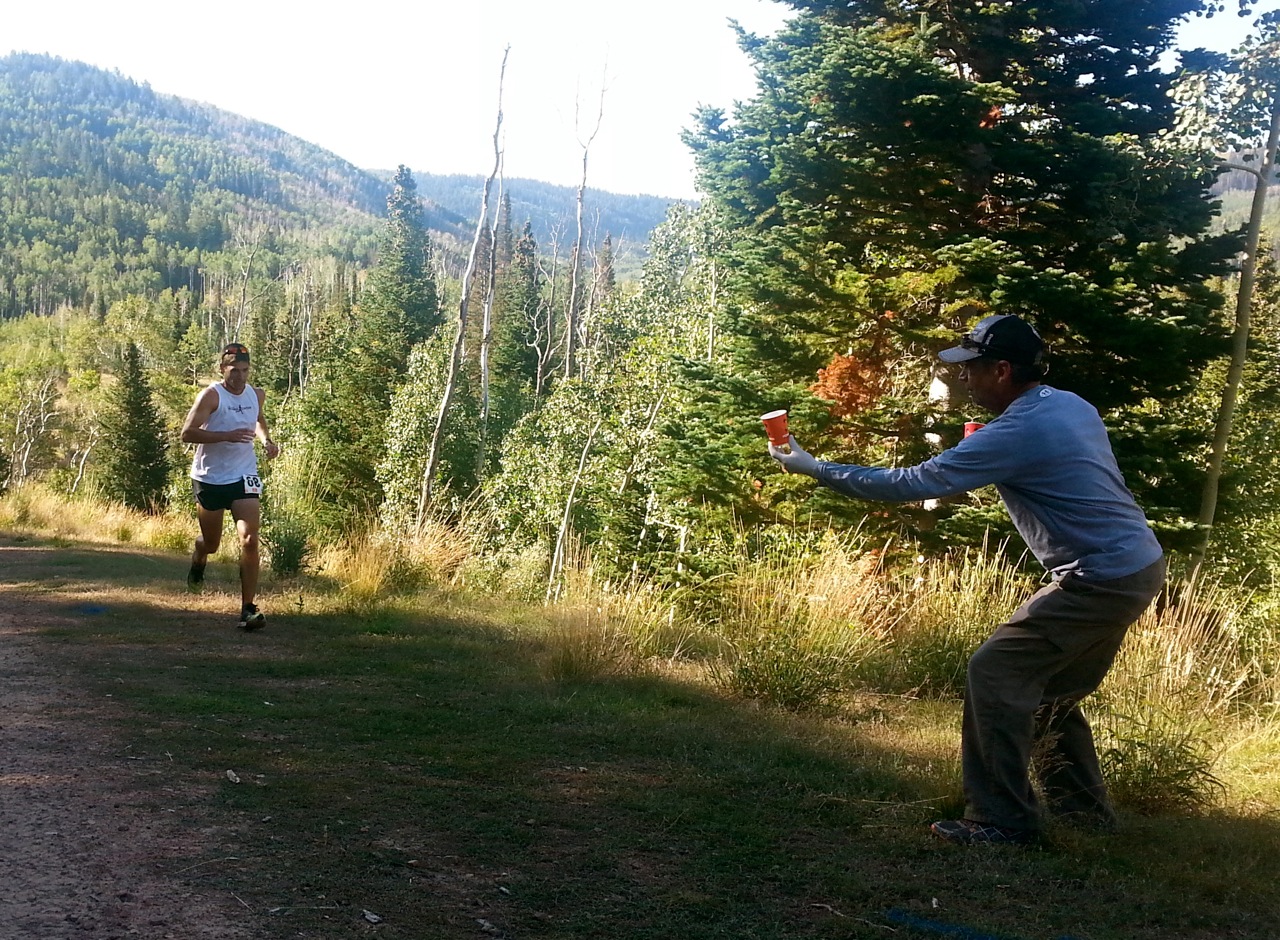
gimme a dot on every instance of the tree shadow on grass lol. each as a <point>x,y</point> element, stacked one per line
<point>422,767</point>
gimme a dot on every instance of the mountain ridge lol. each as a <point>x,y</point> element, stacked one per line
<point>110,188</point>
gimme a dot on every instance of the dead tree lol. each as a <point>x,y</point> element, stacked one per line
<point>486,334</point>
<point>562,537</point>
<point>459,340</point>
<point>575,262</point>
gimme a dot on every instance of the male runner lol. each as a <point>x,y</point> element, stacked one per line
<point>223,423</point>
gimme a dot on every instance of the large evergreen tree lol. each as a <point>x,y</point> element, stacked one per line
<point>134,461</point>
<point>908,167</point>
<point>399,306</point>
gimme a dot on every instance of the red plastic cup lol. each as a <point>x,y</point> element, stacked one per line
<point>971,426</point>
<point>775,425</point>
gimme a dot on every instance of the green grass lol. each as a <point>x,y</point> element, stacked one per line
<point>438,766</point>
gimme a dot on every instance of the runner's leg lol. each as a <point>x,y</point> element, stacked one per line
<point>248,516</point>
<point>210,536</point>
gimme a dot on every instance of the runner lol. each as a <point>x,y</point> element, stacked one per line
<point>223,423</point>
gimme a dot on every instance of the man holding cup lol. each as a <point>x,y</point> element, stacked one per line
<point>1048,454</point>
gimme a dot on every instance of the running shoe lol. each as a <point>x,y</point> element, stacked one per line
<point>251,618</point>
<point>195,577</point>
<point>968,832</point>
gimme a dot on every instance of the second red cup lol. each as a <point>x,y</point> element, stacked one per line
<point>971,426</point>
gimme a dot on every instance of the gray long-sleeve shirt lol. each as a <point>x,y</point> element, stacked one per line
<point>1050,459</point>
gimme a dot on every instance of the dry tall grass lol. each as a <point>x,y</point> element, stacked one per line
<point>1194,697</point>
<point>796,629</point>
<point>597,626</point>
<point>36,508</point>
<point>376,567</point>
<point>1184,694</point>
<point>945,606</point>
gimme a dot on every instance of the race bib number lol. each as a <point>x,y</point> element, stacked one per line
<point>253,485</point>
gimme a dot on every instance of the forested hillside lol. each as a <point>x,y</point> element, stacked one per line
<point>108,188</point>
<point>1235,190</point>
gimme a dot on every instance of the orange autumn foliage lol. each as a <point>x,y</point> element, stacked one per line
<point>851,384</point>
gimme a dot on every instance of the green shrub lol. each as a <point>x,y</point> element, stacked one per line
<point>289,543</point>
<point>519,574</point>
<point>785,668</point>
<point>170,537</point>
<point>1159,764</point>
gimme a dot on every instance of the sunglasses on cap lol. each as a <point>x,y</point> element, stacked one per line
<point>235,352</point>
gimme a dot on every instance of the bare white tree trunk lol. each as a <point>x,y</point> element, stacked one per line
<point>557,558</point>
<point>486,338</point>
<point>455,360</point>
<point>594,300</point>
<point>575,262</point>
<point>82,457</point>
<point>543,327</point>
<point>1263,174</point>
<point>300,288</point>
<point>36,411</point>
<point>252,241</point>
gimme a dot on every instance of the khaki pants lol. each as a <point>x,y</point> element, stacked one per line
<point>1024,686</point>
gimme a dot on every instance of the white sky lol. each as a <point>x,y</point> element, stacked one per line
<point>385,82</point>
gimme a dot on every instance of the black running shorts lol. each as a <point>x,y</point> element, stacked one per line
<point>219,496</point>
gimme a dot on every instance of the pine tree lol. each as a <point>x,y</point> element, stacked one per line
<point>340,420</point>
<point>515,354</point>
<point>908,167</point>
<point>399,306</point>
<point>134,461</point>
<point>606,279</point>
<point>506,236</point>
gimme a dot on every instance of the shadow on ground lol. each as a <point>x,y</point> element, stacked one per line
<point>419,775</point>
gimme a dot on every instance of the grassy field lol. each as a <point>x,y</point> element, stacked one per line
<point>432,762</point>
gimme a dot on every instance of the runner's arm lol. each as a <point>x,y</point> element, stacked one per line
<point>264,434</point>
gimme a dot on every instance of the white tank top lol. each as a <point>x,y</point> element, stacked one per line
<point>228,461</point>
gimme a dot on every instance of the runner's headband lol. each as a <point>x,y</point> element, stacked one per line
<point>234,352</point>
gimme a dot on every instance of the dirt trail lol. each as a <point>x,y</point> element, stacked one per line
<point>80,856</point>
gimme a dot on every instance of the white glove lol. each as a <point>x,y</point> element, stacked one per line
<point>798,461</point>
